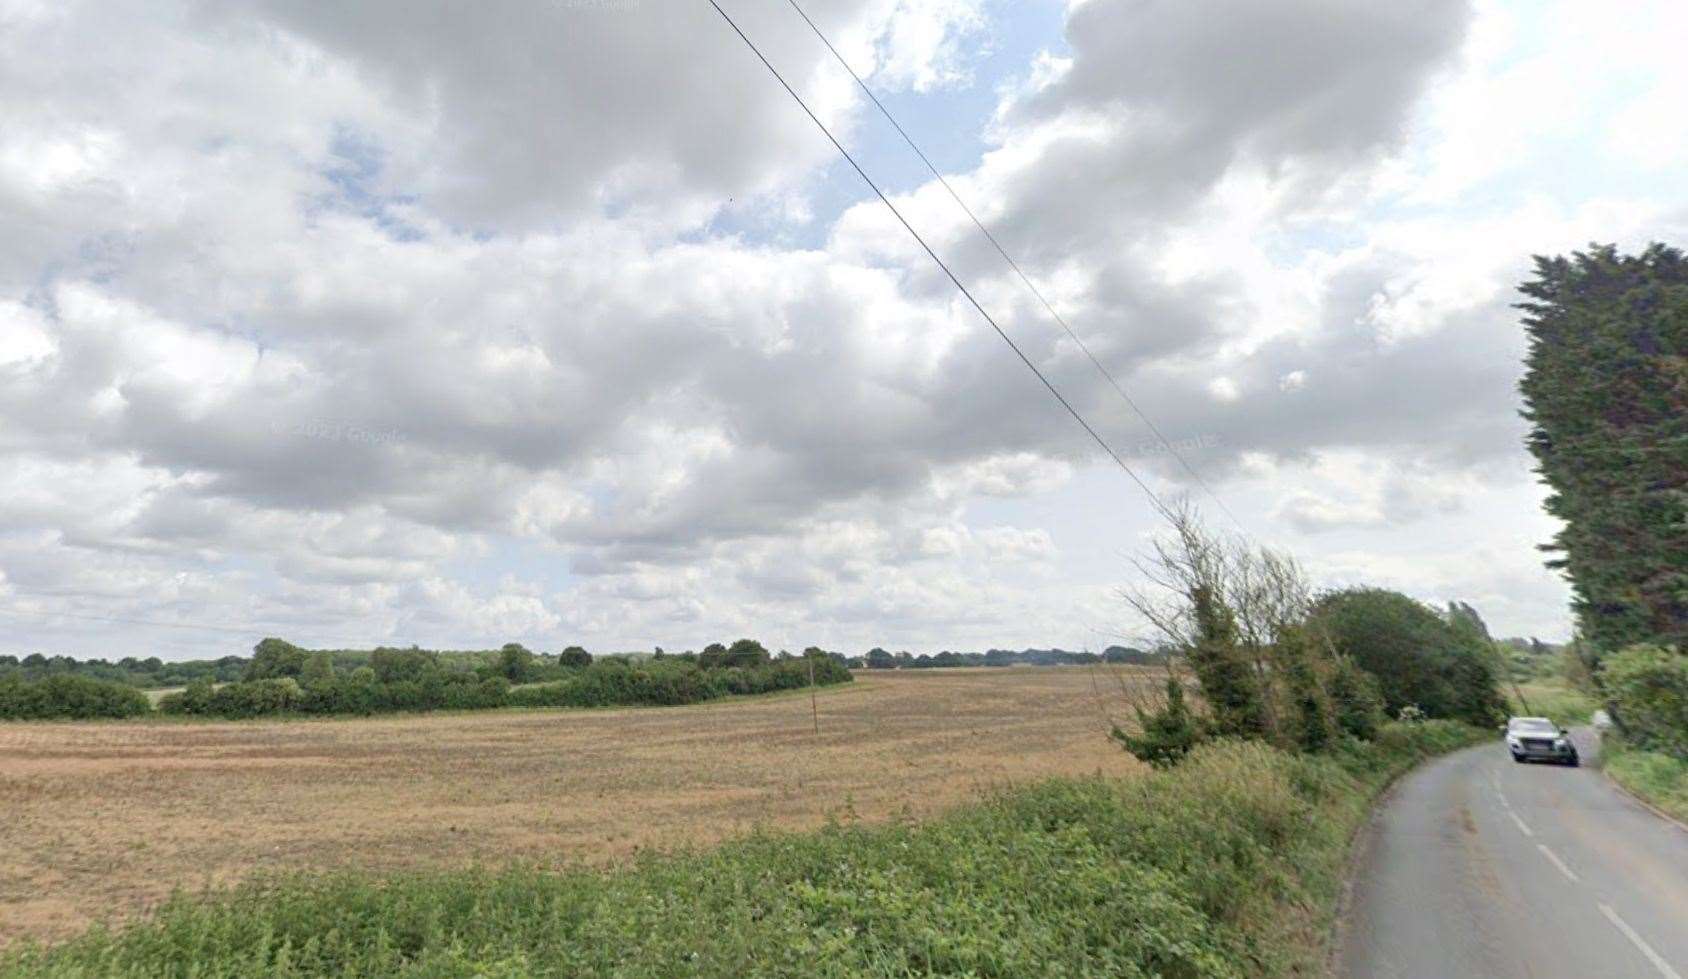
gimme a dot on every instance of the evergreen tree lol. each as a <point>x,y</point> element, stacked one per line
<point>1228,683</point>
<point>1167,734</point>
<point>1606,389</point>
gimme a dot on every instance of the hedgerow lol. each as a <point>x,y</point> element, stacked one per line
<point>414,680</point>
<point>68,697</point>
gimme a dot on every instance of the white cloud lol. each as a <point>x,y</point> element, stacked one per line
<point>423,322</point>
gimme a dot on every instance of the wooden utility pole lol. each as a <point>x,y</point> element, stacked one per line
<point>814,708</point>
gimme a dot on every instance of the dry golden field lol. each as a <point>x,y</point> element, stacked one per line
<point>103,819</point>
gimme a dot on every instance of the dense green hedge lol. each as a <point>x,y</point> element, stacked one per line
<point>1226,865</point>
<point>416,682</point>
<point>66,697</point>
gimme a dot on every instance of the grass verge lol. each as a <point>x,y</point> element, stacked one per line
<point>1227,865</point>
<point>1658,778</point>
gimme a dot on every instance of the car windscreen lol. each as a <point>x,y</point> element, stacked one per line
<point>1535,727</point>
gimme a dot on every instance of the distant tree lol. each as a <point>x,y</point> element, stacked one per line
<point>746,653</point>
<point>514,662</point>
<point>273,658</point>
<point>574,657</point>
<point>318,670</point>
<point>1606,391</point>
<point>879,659</point>
<point>713,656</point>
<point>403,665</point>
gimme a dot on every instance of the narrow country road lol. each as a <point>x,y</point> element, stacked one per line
<point>1479,867</point>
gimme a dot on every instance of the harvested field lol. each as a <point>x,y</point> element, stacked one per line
<point>103,819</point>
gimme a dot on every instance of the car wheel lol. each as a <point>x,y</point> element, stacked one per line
<point>1574,761</point>
<point>1518,758</point>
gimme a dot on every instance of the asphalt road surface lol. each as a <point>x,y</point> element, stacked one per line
<point>1476,866</point>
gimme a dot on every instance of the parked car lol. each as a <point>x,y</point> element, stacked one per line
<point>1539,739</point>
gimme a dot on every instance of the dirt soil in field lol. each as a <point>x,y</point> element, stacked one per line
<point>102,820</point>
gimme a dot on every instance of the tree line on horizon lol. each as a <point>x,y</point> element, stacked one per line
<point>281,678</point>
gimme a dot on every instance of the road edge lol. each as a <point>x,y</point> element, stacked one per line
<point>1336,942</point>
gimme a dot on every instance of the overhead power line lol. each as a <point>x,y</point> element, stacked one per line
<point>1035,291</point>
<point>1159,505</point>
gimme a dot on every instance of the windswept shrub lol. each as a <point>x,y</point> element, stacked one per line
<point>68,697</point>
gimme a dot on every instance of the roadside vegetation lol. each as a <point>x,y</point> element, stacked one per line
<point>1254,653</point>
<point>1225,865</point>
<point>1605,391</point>
<point>1648,754</point>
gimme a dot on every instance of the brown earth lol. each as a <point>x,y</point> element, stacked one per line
<point>104,819</point>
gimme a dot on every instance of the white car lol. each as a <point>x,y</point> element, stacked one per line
<point>1537,738</point>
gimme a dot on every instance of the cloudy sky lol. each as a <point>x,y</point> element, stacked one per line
<point>557,321</point>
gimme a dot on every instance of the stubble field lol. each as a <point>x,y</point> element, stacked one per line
<point>103,820</point>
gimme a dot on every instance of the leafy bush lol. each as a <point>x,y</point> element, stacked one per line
<point>1417,656</point>
<point>1355,700</point>
<point>68,697</point>
<point>1222,866</point>
<point>1648,688</point>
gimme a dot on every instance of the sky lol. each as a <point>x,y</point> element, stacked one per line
<point>558,322</point>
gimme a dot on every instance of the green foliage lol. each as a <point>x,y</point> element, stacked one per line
<point>576,658</point>
<point>1648,690</point>
<point>745,653</point>
<point>1228,681</point>
<point>149,673</point>
<point>418,680</point>
<point>275,658</point>
<point>515,662</point>
<point>1310,723</point>
<point>404,665</point>
<point>1606,388</point>
<point>319,669</point>
<point>68,697</point>
<point>1168,733</point>
<point>1218,867</point>
<point>1356,703</point>
<point>1447,669</point>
